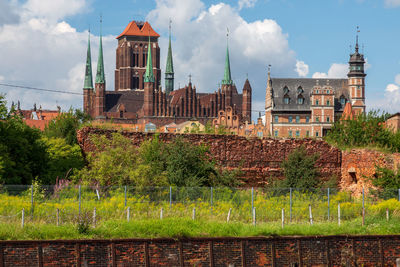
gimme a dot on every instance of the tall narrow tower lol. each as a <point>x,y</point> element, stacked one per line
<point>88,84</point>
<point>100,83</point>
<point>148,105</point>
<point>227,82</point>
<point>169,69</point>
<point>356,77</point>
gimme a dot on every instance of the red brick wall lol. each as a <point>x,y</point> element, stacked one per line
<point>358,167</point>
<point>257,251</point>
<point>259,159</point>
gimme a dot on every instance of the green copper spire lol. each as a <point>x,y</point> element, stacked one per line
<point>100,77</point>
<point>170,66</point>
<point>169,69</point>
<point>88,73</point>
<point>227,73</point>
<point>149,76</point>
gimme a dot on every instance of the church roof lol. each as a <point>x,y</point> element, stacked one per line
<point>132,100</point>
<point>136,28</point>
<point>339,86</point>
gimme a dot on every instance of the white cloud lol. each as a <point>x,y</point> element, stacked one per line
<point>392,3</point>
<point>53,9</point>
<point>49,54</point>
<point>1,78</point>
<point>337,70</point>
<point>392,88</point>
<point>301,68</point>
<point>199,45</point>
<point>391,100</point>
<point>246,3</point>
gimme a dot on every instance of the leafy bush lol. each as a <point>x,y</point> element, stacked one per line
<point>116,161</point>
<point>299,170</point>
<point>366,129</point>
<point>387,181</point>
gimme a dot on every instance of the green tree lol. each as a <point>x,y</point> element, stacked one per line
<point>65,125</point>
<point>23,152</point>
<point>299,170</point>
<point>63,160</point>
<point>387,181</point>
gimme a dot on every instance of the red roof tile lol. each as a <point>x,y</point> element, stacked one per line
<point>133,30</point>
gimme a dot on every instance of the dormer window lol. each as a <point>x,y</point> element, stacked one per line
<point>286,100</point>
<point>300,100</point>
<point>300,90</point>
<point>285,90</point>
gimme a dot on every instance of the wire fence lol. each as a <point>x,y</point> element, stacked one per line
<point>69,204</point>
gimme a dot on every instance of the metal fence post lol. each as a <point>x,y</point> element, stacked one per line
<point>290,205</point>
<point>252,198</point>
<point>329,203</point>
<point>399,194</point>
<point>125,195</point>
<point>170,197</point>
<point>363,207</point>
<point>211,199</point>
<point>79,199</point>
<point>32,199</point>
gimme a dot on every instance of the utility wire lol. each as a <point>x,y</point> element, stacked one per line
<point>39,89</point>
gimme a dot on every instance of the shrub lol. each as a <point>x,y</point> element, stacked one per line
<point>299,170</point>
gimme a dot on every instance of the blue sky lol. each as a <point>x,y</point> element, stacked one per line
<point>308,38</point>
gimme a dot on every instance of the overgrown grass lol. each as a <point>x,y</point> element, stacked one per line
<point>179,228</point>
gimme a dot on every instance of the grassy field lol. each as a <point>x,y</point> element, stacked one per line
<point>211,208</point>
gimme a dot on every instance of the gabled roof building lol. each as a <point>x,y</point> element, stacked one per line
<point>308,107</point>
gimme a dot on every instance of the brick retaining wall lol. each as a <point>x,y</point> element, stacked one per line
<point>258,158</point>
<point>257,251</point>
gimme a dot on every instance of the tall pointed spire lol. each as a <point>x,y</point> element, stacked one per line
<point>149,76</point>
<point>88,72</point>
<point>100,77</point>
<point>227,73</point>
<point>358,30</point>
<point>169,69</point>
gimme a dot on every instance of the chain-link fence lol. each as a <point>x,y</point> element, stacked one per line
<point>70,203</point>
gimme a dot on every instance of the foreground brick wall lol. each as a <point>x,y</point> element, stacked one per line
<point>259,159</point>
<point>283,251</point>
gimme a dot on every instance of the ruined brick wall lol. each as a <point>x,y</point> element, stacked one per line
<point>256,251</point>
<point>259,159</point>
<point>358,167</point>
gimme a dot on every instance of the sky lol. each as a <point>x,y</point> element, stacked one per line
<point>43,43</point>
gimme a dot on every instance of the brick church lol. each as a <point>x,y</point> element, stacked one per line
<point>303,107</point>
<point>138,96</point>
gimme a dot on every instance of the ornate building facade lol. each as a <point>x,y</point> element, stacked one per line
<point>302,107</point>
<point>138,96</point>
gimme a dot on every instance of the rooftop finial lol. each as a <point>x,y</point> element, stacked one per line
<point>358,30</point>
<point>170,26</point>
<point>190,78</point>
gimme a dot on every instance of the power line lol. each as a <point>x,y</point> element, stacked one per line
<point>39,89</point>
